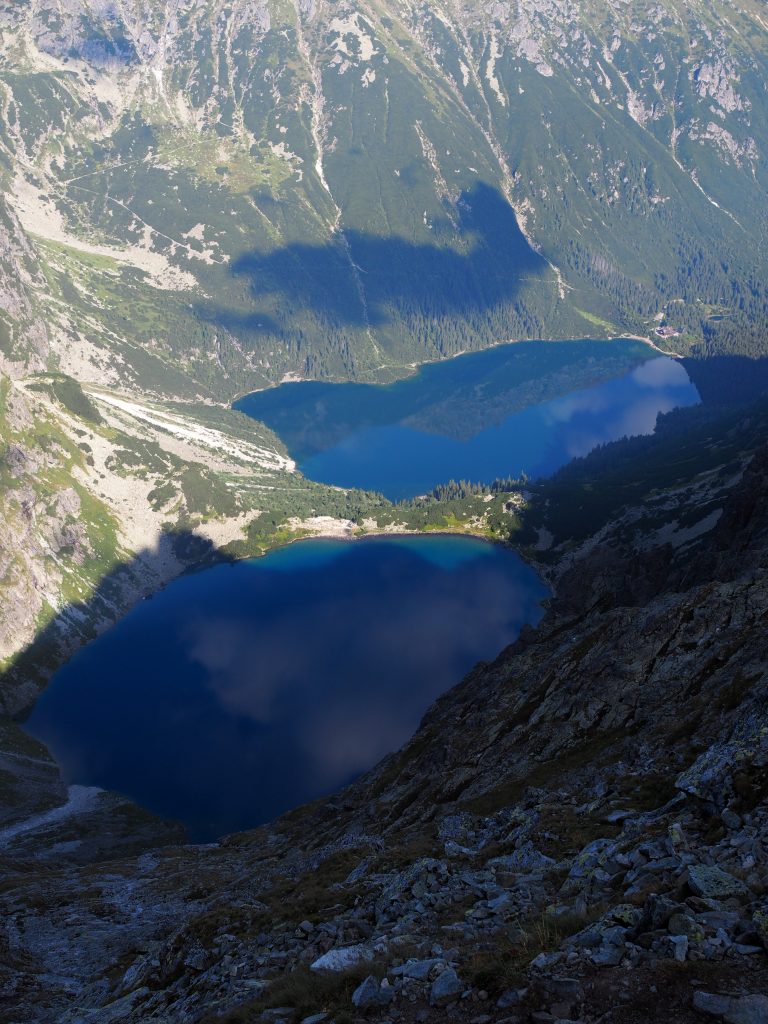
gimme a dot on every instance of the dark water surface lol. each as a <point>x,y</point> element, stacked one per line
<point>244,690</point>
<point>529,407</point>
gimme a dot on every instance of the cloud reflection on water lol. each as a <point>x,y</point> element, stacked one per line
<point>627,407</point>
<point>244,690</point>
<point>661,373</point>
<point>401,460</point>
<point>347,678</point>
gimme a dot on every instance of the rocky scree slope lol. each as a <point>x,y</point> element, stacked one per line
<point>577,832</point>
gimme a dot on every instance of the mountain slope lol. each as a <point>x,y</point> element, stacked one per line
<point>579,827</point>
<point>202,198</point>
<point>325,189</point>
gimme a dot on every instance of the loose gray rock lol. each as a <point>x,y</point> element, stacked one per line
<point>730,819</point>
<point>419,970</point>
<point>607,956</point>
<point>513,997</point>
<point>341,959</point>
<point>749,1009</point>
<point>679,945</point>
<point>685,924</point>
<point>526,858</point>
<point>370,993</point>
<point>446,988</point>
<point>714,883</point>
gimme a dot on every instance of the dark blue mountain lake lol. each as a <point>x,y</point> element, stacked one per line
<point>529,407</point>
<point>244,690</point>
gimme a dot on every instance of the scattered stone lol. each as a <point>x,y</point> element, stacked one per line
<point>513,997</point>
<point>760,921</point>
<point>561,994</point>
<point>544,961</point>
<point>679,945</point>
<point>416,969</point>
<point>614,817</point>
<point>625,914</point>
<point>454,849</point>
<point>371,993</point>
<point>526,858</point>
<point>730,819</point>
<point>607,956</point>
<point>659,910</point>
<point>748,1009</point>
<point>714,883</point>
<point>342,959</point>
<point>685,924</point>
<point>446,988</point>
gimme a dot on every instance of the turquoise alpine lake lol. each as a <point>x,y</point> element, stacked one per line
<point>524,408</point>
<point>243,690</point>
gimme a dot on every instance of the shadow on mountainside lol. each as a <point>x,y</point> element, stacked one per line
<point>471,273</point>
<point>37,811</point>
<point>78,622</point>
<point>728,380</point>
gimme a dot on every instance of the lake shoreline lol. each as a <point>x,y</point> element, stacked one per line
<point>387,521</point>
<point>243,653</point>
<point>291,378</point>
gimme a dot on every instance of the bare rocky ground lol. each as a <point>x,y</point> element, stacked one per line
<point>578,832</point>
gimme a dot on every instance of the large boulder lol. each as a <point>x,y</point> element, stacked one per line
<point>713,883</point>
<point>446,988</point>
<point>749,1009</point>
<point>342,959</point>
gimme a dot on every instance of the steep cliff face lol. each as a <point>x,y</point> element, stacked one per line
<point>577,831</point>
<point>100,508</point>
<point>617,674</point>
<point>24,338</point>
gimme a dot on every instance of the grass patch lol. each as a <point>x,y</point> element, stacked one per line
<point>309,896</point>
<point>307,992</point>
<point>67,391</point>
<point>511,790</point>
<point>503,964</point>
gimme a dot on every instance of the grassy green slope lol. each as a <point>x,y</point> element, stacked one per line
<point>324,191</point>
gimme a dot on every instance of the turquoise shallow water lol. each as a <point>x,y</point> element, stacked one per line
<point>242,691</point>
<point>462,420</point>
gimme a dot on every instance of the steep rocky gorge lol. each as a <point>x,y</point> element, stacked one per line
<point>577,831</point>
